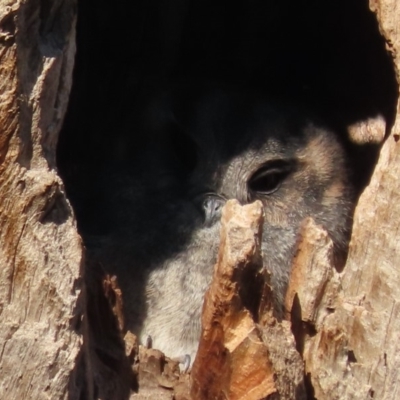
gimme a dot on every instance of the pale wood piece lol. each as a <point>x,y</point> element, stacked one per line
<point>242,345</point>
<point>370,131</point>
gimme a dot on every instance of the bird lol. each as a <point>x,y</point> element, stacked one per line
<point>196,147</point>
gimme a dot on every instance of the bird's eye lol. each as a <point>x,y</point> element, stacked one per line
<point>268,178</point>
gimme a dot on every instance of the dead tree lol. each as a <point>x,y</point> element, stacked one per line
<point>340,336</point>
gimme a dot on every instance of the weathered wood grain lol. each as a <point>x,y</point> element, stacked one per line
<point>40,250</point>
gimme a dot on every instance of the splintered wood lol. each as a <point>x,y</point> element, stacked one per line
<point>314,282</point>
<point>244,352</point>
<point>234,360</point>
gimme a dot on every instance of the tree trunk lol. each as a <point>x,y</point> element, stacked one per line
<point>343,324</point>
<point>354,352</point>
<point>40,250</point>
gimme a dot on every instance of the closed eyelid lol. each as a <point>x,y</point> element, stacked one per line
<point>269,177</point>
<point>276,164</point>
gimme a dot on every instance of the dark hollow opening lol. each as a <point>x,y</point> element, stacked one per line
<point>328,55</point>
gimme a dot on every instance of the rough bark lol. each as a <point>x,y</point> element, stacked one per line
<point>352,348</point>
<point>40,250</point>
